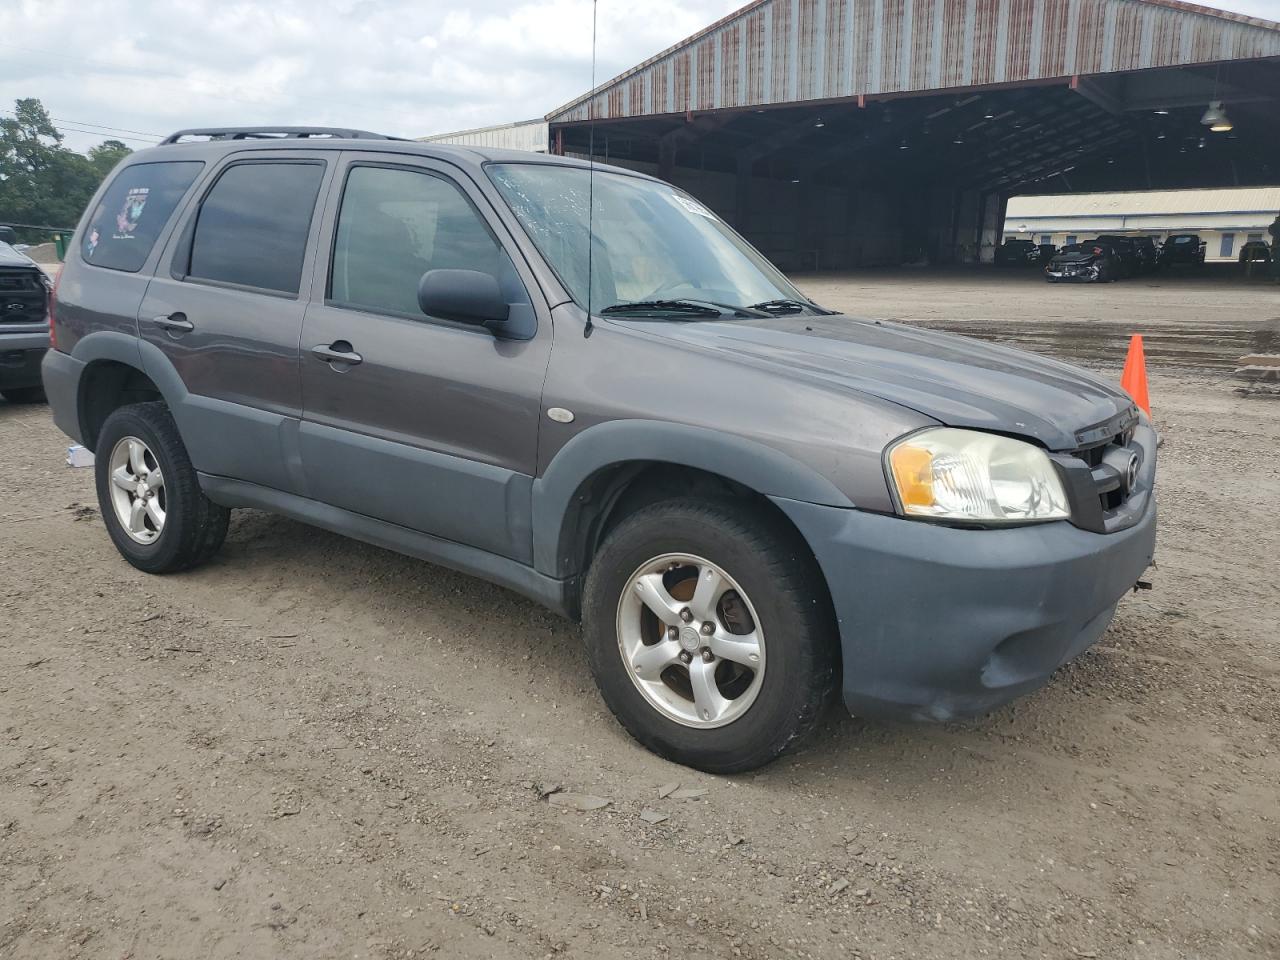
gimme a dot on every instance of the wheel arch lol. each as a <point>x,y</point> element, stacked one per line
<point>115,373</point>
<point>612,469</point>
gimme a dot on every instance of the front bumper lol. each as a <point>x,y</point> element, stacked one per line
<point>1084,273</point>
<point>938,623</point>
<point>20,356</point>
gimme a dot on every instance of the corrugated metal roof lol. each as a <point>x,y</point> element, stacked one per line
<point>1147,203</point>
<point>515,124</point>
<point>781,51</point>
<point>529,135</point>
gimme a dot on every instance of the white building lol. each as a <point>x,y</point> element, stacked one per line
<point>529,135</point>
<point>1225,219</point>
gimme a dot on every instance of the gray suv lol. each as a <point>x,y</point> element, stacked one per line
<point>582,385</point>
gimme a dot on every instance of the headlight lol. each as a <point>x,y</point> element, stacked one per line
<point>949,474</point>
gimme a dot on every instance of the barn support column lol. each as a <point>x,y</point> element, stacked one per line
<point>966,234</point>
<point>991,225</point>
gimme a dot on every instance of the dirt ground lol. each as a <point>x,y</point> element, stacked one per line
<point>312,748</point>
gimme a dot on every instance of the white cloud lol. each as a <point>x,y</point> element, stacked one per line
<point>400,66</point>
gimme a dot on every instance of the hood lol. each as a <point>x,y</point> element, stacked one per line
<point>1076,256</point>
<point>10,257</point>
<point>958,381</point>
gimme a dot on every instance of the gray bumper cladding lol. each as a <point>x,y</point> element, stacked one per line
<point>60,373</point>
<point>938,623</point>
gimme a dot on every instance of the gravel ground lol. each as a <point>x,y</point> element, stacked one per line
<point>312,748</point>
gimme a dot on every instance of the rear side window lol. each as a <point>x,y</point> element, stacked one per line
<point>133,211</point>
<point>252,228</point>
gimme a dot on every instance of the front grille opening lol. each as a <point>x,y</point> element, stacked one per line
<point>1112,499</point>
<point>1094,456</point>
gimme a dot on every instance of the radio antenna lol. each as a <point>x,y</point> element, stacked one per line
<point>591,171</point>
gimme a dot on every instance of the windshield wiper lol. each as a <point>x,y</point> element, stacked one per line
<point>694,308</point>
<point>787,306</point>
<point>664,306</point>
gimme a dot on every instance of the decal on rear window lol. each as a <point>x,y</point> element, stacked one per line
<point>130,213</point>
<point>133,211</point>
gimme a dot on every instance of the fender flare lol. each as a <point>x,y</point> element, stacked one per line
<point>764,469</point>
<point>131,351</point>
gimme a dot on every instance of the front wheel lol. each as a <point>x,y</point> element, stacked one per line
<point>710,633</point>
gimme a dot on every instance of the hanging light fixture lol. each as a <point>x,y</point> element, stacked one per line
<point>903,146</point>
<point>1216,119</point>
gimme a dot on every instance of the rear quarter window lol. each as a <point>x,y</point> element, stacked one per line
<point>133,211</point>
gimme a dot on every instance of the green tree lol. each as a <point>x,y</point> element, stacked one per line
<point>106,155</point>
<point>41,181</point>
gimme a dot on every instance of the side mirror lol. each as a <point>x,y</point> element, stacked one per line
<point>467,296</point>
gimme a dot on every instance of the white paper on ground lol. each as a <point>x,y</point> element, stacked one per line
<point>78,456</point>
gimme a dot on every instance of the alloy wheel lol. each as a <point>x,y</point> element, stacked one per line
<point>137,490</point>
<point>690,640</point>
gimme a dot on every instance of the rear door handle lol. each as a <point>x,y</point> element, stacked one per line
<point>337,352</point>
<point>174,323</point>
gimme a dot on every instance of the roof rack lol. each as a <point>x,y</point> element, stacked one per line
<point>274,133</point>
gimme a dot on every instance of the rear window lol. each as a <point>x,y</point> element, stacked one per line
<point>133,211</point>
<point>252,227</point>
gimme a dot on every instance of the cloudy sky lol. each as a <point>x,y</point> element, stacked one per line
<point>406,67</point>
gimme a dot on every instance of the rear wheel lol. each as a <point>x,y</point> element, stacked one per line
<point>710,634</point>
<point>149,494</point>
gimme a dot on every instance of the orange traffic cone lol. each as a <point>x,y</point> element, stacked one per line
<point>1134,379</point>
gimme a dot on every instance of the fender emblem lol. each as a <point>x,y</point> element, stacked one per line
<point>560,414</point>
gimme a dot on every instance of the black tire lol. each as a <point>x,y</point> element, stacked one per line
<point>194,526</point>
<point>23,394</point>
<point>775,570</point>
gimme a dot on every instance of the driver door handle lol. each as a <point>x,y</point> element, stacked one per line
<point>174,323</point>
<point>337,352</point>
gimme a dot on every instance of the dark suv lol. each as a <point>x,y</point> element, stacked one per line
<point>629,415</point>
<point>1182,248</point>
<point>24,325</point>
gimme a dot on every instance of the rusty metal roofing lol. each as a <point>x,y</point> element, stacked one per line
<point>783,51</point>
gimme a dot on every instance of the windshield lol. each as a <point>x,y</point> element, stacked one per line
<point>653,244</point>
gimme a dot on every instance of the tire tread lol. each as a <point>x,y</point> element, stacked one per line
<point>200,526</point>
<point>800,585</point>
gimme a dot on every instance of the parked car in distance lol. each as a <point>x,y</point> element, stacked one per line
<point>1127,254</point>
<point>1017,253</point>
<point>24,325</point>
<point>1090,261</point>
<point>1255,251</point>
<point>1180,248</point>
<point>1148,254</point>
<point>1045,252</point>
<point>806,505</point>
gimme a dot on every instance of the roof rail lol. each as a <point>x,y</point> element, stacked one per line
<point>274,133</point>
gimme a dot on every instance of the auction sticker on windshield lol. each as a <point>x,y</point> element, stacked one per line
<point>693,206</point>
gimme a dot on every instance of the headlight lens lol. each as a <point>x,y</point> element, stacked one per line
<point>949,474</point>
